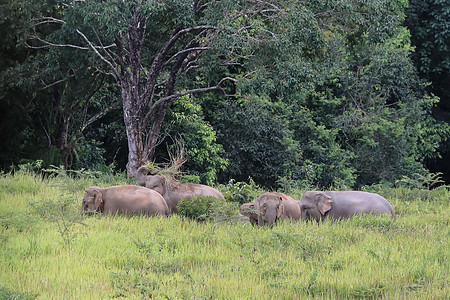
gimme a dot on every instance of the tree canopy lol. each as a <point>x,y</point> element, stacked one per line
<point>316,93</point>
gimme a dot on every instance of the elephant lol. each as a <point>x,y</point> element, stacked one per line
<point>174,191</point>
<point>273,206</point>
<point>320,205</point>
<point>142,175</point>
<point>248,210</point>
<point>124,199</point>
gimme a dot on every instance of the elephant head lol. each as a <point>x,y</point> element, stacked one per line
<point>93,199</point>
<point>314,205</point>
<point>156,183</point>
<point>142,175</point>
<point>270,207</point>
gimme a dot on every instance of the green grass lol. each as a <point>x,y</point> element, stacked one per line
<point>366,257</point>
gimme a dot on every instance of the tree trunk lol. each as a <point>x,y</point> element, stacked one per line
<point>155,131</point>
<point>134,130</point>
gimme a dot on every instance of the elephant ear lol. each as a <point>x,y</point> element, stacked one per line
<point>98,199</point>
<point>281,209</point>
<point>324,203</point>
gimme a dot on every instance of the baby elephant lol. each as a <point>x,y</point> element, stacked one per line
<point>124,199</point>
<point>318,205</point>
<point>274,206</point>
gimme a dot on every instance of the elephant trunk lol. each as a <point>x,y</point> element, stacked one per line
<point>271,219</point>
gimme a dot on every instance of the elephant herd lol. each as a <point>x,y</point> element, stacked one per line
<point>270,207</point>
<point>155,196</point>
<point>158,196</point>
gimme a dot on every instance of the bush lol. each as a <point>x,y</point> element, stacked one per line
<point>206,208</point>
<point>63,209</point>
<point>190,179</point>
<point>241,192</point>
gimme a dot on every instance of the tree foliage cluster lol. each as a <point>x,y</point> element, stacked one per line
<point>289,93</point>
<point>429,23</point>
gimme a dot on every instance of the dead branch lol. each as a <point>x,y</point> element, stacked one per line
<point>112,65</point>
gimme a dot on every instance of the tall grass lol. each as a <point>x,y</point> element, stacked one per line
<point>365,257</point>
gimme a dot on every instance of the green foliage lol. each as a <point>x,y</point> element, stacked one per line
<point>256,139</point>
<point>325,162</point>
<point>89,155</point>
<point>364,257</point>
<point>62,210</point>
<point>324,93</point>
<point>362,119</point>
<point>419,181</point>
<point>205,208</point>
<point>55,93</point>
<point>429,23</point>
<point>204,156</point>
<point>373,113</point>
<point>190,179</point>
<point>241,192</point>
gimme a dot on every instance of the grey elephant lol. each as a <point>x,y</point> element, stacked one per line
<point>249,210</point>
<point>320,205</point>
<point>174,191</point>
<point>124,199</point>
<point>273,206</point>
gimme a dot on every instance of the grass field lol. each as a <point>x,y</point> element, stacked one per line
<point>47,251</point>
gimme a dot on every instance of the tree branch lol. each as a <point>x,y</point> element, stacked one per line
<point>193,91</point>
<point>185,51</point>
<point>52,84</point>
<point>99,115</point>
<point>46,20</point>
<point>47,44</point>
<point>103,47</point>
<point>158,64</point>
<point>112,65</point>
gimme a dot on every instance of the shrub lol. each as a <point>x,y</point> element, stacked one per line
<point>190,179</point>
<point>241,192</point>
<point>62,210</point>
<point>205,208</point>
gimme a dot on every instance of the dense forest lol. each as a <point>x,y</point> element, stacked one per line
<point>289,93</point>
